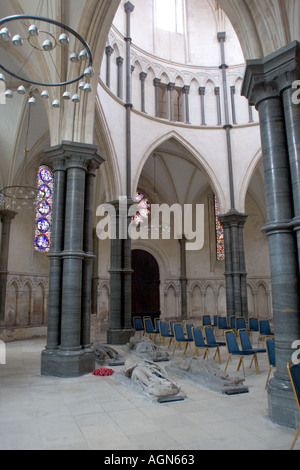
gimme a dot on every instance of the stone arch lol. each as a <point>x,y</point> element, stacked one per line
<point>199,159</point>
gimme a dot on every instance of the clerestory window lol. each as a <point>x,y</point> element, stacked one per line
<point>169,15</point>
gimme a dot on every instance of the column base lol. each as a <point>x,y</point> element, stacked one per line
<point>283,409</point>
<point>119,336</point>
<point>55,364</point>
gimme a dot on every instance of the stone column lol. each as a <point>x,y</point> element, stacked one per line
<point>57,161</point>
<point>143,77</point>
<point>202,95</point>
<point>219,115</point>
<point>186,91</point>
<point>67,353</point>
<point>235,269</point>
<point>263,87</point>
<point>232,94</point>
<point>156,83</point>
<point>108,51</point>
<point>87,281</point>
<point>183,278</point>
<point>6,217</point>
<point>120,61</point>
<point>171,100</point>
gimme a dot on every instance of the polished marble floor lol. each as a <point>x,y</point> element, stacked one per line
<point>102,413</point>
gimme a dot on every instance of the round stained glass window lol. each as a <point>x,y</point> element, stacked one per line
<point>44,191</point>
<point>144,207</point>
<point>43,225</point>
<point>45,175</point>
<point>42,242</point>
<point>44,208</point>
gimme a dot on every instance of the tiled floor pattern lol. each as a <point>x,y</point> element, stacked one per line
<point>102,413</point>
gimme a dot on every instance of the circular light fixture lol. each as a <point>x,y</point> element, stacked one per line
<point>89,72</point>
<point>2,78</point>
<point>45,94</point>
<point>65,34</point>
<point>32,100</point>
<point>87,88</point>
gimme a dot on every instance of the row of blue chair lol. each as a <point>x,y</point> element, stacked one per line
<point>174,332</point>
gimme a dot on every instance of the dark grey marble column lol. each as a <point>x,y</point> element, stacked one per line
<point>235,267</point>
<point>219,115</point>
<point>56,158</point>
<point>6,218</point>
<point>262,86</point>
<point>170,88</point>
<point>71,235</point>
<point>120,61</point>
<point>87,274</point>
<point>156,83</point>
<point>202,103</point>
<point>108,51</point>
<point>186,91</point>
<point>143,77</point>
<point>183,278</point>
<point>232,94</point>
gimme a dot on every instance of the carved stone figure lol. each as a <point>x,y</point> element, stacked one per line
<point>145,348</point>
<point>106,354</point>
<point>151,379</point>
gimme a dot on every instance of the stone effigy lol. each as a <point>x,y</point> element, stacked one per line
<point>208,374</point>
<point>107,355</point>
<point>151,380</point>
<point>146,349</point>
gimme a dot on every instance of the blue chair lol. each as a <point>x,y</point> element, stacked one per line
<point>222,323</point>
<point>189,331</point>
<point>270,347</point>
<point>149,330</point>
<point>138,325</point>
<point>253,326</point>
<point>200,343</point>
<point>171,326</point>
<point>211,340</point>
<point>264,330</point>
<point>234,350</point>
<point>294,373</point>
<point>180,338</point>
<point>216,321</point>
<point>232,322</point>
<point>206,320</point>
<point>247,346</point>
<point>164,332</point>
<point>240,324</point>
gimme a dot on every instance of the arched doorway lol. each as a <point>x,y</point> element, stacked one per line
<point>145,285</point>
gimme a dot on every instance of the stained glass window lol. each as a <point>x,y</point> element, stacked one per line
<point>144,207</point>
<point>219,233</point>
<point>43,214</point>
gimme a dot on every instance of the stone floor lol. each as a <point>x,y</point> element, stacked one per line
<point>102,413</point>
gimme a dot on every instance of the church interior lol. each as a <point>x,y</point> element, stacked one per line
<point>149,177</point>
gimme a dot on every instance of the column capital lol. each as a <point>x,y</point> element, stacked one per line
<point>143,76</point>
<point>222,36</point>
<point>202,90</point>
<point>171,86</point>
<point>156,81</point>
<point>119,60</point>
<point>109,50</point>
<point>7,215</point>
<point>129,7</point>
<point>233,218</point>
<point>268,77</point>
<point>186,89</point>
<point>217,90</point>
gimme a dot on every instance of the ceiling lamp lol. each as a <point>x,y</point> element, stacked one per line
<point>45,39</point>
